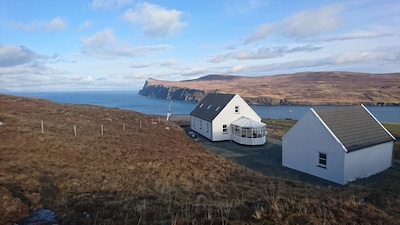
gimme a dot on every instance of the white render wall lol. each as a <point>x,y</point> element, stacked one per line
<point>302,144</point>
<point>200,126</point>
<point>249,141</point>
<point>368,161</point>
<point>228,115</point>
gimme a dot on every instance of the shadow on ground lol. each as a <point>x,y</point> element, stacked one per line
<point>266,159</point>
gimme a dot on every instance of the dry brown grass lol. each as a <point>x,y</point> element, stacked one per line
<point>150,173</point>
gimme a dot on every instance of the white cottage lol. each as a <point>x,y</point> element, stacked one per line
<point>221,117</point>
<point>339,144</point>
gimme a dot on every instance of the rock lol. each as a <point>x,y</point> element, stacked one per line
<point>40,216</point>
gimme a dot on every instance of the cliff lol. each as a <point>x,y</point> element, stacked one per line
<point>178,93</point>
<point>307,88</point>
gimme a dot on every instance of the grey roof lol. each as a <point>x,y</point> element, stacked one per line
<point>354,126</point>
<point>211,106</point>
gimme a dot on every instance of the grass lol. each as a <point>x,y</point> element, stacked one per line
<point>278,127</point>
<point>148,174</point>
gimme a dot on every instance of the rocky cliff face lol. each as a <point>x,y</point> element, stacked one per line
<point>196,95</point>
<point>177,93</point>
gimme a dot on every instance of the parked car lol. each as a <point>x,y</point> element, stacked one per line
<point>192,134</point>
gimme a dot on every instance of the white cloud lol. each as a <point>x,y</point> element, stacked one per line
<point>263,53</point>
<point>85,25</point>
<point>374,59</point>
<point>104,44</point>
<point>156,20</point>
<point>238,68</point>
<point>302,24</point>
<point>55,24</point>
<point>169,62</point>
<point>358,34</point>
<point>365,57</point>
<point>312,21</point>
<point>20,60</point>
<point>261,32</point>
<point>161,63</point>
<point>106,4</point>
<point>14,55</point>
<point>99,40</point>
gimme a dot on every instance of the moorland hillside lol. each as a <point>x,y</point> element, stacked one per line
<point>97,165</point>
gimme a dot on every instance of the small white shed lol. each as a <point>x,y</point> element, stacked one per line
<point>339,144</point>
<point>221,117</point>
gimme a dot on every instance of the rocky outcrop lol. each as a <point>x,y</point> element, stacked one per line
<point>176,93</point>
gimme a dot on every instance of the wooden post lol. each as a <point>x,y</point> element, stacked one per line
<point>159,120</point>
<point>152,121</point>
<point>41,124</point>
<point>123,126</point>
<point>101,129</point>
<point>140,124</point>
<point>75,130</point>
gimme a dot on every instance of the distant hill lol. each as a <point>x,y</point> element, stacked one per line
<point>306,88</point>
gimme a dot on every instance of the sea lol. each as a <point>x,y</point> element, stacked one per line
<point>131,100</point>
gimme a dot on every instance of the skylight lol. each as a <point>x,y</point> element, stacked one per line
<point>209,106</point>
<point>201,105</point>
<point>218,107</point>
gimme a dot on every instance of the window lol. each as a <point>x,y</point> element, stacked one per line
<point>237,109</point>
<point>236,130</point>
<point>209,106</point>
<point>201,105</point>
<point>224,128</point>
<point>218,107</point>
<point>322,160</point>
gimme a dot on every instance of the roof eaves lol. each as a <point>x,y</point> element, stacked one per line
<point>329,130</point>
<point>383,127</point>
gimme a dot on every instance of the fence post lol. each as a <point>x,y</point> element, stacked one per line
<point>75,130</point>
<point>123,126</point>
<point>101,128</point>
<point>42,126</point>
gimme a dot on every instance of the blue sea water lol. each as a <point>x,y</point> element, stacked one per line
<point>131,100</point>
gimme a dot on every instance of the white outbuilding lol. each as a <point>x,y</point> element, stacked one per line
<point>221,117</point>
<point>339,144</point>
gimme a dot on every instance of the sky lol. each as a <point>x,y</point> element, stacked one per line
<point>58,45</point>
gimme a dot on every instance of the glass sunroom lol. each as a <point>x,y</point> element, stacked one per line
<point>248,132</point>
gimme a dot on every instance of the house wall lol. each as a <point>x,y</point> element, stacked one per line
<point>201,126</point>
<point>302,144</point>
<point>228,115</point>
<point>368,161</point>
<point>249,141</point>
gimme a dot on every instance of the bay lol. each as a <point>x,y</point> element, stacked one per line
<point>131,100</point>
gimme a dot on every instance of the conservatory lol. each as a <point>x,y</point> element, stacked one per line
<point>248,132</point>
